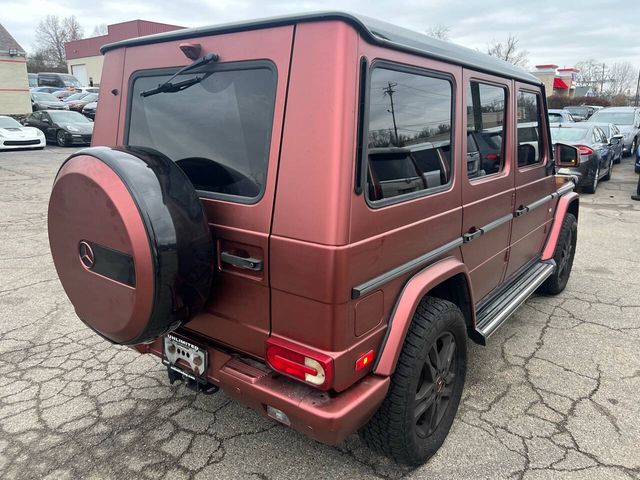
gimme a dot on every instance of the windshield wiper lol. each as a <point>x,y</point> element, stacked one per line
<point>176,87</point>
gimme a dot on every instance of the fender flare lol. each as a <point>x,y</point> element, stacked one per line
<point>564,203</point>
<point>410,296</point>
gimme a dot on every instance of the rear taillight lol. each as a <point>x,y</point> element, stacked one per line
<point>584,150</point>
<point>492,157</point>
<point>300,363</point>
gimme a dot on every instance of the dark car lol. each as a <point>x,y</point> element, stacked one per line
<point>615,138</point>
<point>55,79</point>
<point>580,113</point>
<point>78,104</point>
<point>46,101</point>
<point>637,165</point>
<point>64,128</point>
<point>596,154</point>
<point>89,110</point>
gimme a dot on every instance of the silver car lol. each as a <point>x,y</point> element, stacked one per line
<point>627,119</point>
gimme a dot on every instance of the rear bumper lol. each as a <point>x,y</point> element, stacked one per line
<point>325,417</point>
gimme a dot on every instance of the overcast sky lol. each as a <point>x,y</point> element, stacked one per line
<point>561,32</point>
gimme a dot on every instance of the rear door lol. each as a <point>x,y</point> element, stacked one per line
<point>487,190</point>
<point>534,179</point>
<point>224,131</point>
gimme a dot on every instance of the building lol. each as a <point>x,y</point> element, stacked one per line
<point>14,85</point>
<point>557,81</point>
<point>84,59</point>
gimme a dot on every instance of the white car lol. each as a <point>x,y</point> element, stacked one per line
<point>13,135</point>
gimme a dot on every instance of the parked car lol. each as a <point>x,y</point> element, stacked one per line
<point>63,128</point>
<point>580,113</point>
<point>614,137</point>
<point>46,101</point>
<point>33,79</point>
<point>627,119</point>
<point>46,90</point>
<point>78,104</point>
<point>63,94</point>
<point>343,300</point>
<point>13,135</point>
<point>91,89</point>
<point>560,116</point>
<point>596,155</point>
<point>55,79</point>
<point>89,110</point>
<point>76,96</point>
<point>637,164</point>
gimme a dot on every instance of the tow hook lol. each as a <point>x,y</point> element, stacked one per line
<point>196,385</point>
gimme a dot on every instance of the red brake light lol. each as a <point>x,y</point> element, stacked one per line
<point>300,362</point>
<point>493,156</point>
<point>364,360</point>
<point>584,150</point>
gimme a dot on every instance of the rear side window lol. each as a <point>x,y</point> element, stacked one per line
<point>218,130</point>
<point>530,146</point>
<point>409,136</point>
<point>486,106</point>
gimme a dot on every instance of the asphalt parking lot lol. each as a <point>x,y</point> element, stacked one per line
<point>554,395</point>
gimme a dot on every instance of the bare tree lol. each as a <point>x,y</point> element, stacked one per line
<point>620,79</point>
<point>51,35</point>
<point>100,29</point>
<point>593,73</point>
<point>509,51</point>
<point>439,31</point>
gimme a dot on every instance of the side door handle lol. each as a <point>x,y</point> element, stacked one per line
<point>521,211</point>
<point>472,234</point>
<point>246,263</point>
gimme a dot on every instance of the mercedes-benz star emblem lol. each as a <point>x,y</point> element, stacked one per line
<point>87,256</point>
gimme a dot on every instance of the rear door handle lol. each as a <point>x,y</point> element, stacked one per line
<point>237,261</point>
<point>521,211</point>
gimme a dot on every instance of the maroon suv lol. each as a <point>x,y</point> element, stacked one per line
<point>314,213</point>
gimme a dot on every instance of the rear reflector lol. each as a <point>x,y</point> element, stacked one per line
<point>278,415</point>
<point>364,360</point>
<point>300,362</point>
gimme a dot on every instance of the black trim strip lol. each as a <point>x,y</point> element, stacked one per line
<point>377,282</point>
<point>362,97</point>
<point>496,223</point>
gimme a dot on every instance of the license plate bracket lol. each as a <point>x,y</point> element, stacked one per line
<point>186,358</point>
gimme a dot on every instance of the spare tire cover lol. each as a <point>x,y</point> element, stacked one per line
<point>130,242</point>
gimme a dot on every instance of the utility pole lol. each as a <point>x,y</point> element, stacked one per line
<point>389,90</point>
<point>636,103</point>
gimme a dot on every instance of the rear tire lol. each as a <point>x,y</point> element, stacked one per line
<point>563,256</point>
<point>591,188</point>
<point>609,172</point>
<point>416,415</point>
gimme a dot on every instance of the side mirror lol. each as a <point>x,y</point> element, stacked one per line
<point>618,138</point>
<point>566,155</point>
<point>45,120</point>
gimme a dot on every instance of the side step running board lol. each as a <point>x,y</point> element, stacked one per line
<point>492,315</point>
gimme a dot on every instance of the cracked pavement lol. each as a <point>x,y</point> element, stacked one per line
<point>554,395</point>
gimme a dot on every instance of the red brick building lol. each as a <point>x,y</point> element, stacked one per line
<point>84,59</point>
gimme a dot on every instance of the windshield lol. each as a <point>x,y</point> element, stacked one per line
<point>70,81</point>
<point>92,97</point>
<point>578,110</point>
<point>618,118</point>
<point>218,130</point>
<point>68,117</point>
<point>44,97</point>
<point>563,134</point>
<point>76,96</point>
<point>8,122</point>
<point>555,117</point>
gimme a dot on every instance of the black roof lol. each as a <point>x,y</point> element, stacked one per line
<point>374,31</point>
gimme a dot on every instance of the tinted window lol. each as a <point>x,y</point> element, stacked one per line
<point>486,106</point>
<point>68,117</point>
<point>217,130</point>
<point>409,136</point>
<point>530,146</point>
